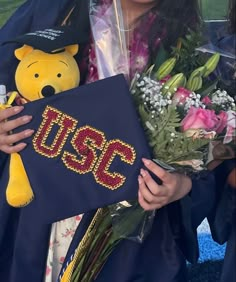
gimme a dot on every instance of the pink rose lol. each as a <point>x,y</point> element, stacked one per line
<point>206,100</point>
<point>181,95</point>
<point>198,118</point>
<point>222,121</point>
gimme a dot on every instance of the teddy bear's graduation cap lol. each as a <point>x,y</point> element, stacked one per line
<point>52,39</point>
<point>86,151</point>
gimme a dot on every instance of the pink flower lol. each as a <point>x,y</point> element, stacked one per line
<point>62,259</point>
<point>181,95</point>
<point>198,118</point>
<point>222,121</point>
<point>78,217</point>
<point>206,100</point>
<point>163,80</point>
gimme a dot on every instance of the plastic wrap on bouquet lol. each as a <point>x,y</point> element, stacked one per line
<point>109,39</point>
<point>226,69</point>
<point>128,218</point>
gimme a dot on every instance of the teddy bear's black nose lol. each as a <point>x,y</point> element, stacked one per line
<point>48,90</point>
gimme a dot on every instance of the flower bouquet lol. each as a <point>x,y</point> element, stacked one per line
<point>182,116</point>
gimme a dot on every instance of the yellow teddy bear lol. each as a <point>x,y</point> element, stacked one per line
<point>38,74</point>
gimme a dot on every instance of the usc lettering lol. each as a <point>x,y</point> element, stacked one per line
<point>86,142</point>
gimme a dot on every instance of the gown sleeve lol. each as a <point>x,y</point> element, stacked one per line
<point>186,214</point>
<point>221,216</point>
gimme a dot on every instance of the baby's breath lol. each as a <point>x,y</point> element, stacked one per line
<point>193,100</point>
<point>223,99</point>
<point>150,92</point>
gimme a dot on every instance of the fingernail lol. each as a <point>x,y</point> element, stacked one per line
<point>17,109</point>
<point>139,179</point>
<point>143,172</point>
<point>26,118</point>
<point>146,161</point>
<point>29,132</point>
<point>23,145</point>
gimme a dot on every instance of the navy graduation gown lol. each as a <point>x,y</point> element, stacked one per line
<point>24,242</point>
<point>222,219</point>
<point>229,269</point>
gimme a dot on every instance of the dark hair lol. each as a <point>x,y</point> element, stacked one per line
<point>232,16</point>
<point>175,18</point>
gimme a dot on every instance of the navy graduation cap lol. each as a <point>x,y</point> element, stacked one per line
<point>51,40</point>
<point>86,151</point>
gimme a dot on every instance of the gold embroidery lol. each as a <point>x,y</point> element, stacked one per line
<point>52,117</point>
<point>85,141</point>
<point>101,172</point>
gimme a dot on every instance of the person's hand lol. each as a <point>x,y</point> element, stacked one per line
<point>231,179</point>
<point>153,196</point>
<point>7,140</point>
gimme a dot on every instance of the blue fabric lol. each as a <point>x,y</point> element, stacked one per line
<point>105,110</point>
<point>32,15</point>
<point>158,259</point>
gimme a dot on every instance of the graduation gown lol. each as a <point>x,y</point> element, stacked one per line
<point>222,219</point>
<point>24,241</point>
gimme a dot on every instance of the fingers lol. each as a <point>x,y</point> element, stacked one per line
<point>6,126</point>
<point>10,125</point>
<point>157,170</point>
<point>145,205</point>
<point>147,199</point>
<point>153,188</point>
<point>13,149</point>
<point>8,140</point>
<point>5,114</point>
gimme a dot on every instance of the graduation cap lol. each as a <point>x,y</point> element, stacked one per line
<point>51,40</point>
<point>86,151</point>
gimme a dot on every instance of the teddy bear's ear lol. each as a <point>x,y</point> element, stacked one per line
<point>72,49</point>
<point>20,53</point>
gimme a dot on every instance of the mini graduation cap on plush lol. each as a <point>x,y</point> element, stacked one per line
<point>46,67</point>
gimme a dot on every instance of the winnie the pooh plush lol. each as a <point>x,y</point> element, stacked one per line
<point>38,74</point>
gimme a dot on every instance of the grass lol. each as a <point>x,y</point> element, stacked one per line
<point>214,9</point>
<point>7,7</point>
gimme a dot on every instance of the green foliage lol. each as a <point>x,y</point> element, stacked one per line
<point>188,58</point>
<point>7,7</point>
<point>168,143</point>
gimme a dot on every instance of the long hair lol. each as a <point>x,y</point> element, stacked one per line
<point>175,18</point>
